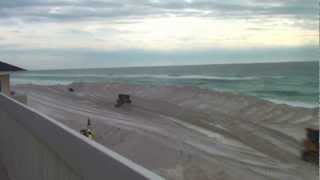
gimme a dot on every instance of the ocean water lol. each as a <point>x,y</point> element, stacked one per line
<point>295,83</point>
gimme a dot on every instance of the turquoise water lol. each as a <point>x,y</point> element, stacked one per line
<point>294,82</point>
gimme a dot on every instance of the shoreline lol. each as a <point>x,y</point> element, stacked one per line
<point>301,104</point>
<point>293,103</point>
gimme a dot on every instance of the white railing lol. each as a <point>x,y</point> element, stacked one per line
<point>36,147</point>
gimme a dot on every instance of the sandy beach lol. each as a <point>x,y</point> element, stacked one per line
<point>186,133</point>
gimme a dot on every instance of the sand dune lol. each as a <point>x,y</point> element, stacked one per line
<point>185,132</point>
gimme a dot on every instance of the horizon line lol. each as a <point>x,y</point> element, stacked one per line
<point>174,65</point>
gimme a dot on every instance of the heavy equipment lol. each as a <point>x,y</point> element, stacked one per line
<point>88,132</point>
<point>122,99</point>
<point>310,152</point>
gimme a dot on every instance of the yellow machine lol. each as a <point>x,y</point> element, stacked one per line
<point>87,132</point>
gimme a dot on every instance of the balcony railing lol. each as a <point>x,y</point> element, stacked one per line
<point>36,147</point>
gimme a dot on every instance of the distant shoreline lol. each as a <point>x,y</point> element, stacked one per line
<point>294,83</point>
<point>293,104</point>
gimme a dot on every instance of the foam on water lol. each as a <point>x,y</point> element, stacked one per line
<point>294,103</point>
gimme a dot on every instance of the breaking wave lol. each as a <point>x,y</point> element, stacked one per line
<point>155,76</point>
<point>285,92</point>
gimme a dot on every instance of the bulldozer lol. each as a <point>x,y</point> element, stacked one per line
<point>122,99</point>
<point>310,152</point>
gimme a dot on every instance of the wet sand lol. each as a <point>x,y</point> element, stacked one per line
<point>185,132</point>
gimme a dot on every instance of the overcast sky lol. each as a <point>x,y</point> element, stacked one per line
<point>50,34</point>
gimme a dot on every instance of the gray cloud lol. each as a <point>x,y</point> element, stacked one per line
<point>66,10</point>
<point>16,14</point>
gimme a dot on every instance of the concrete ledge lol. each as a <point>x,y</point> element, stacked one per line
<point>86,158</point>
<point>3,173</point>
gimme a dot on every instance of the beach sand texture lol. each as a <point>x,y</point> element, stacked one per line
<point>186,133</point>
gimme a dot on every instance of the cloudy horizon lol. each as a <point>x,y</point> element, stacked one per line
<point>47,34</point>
